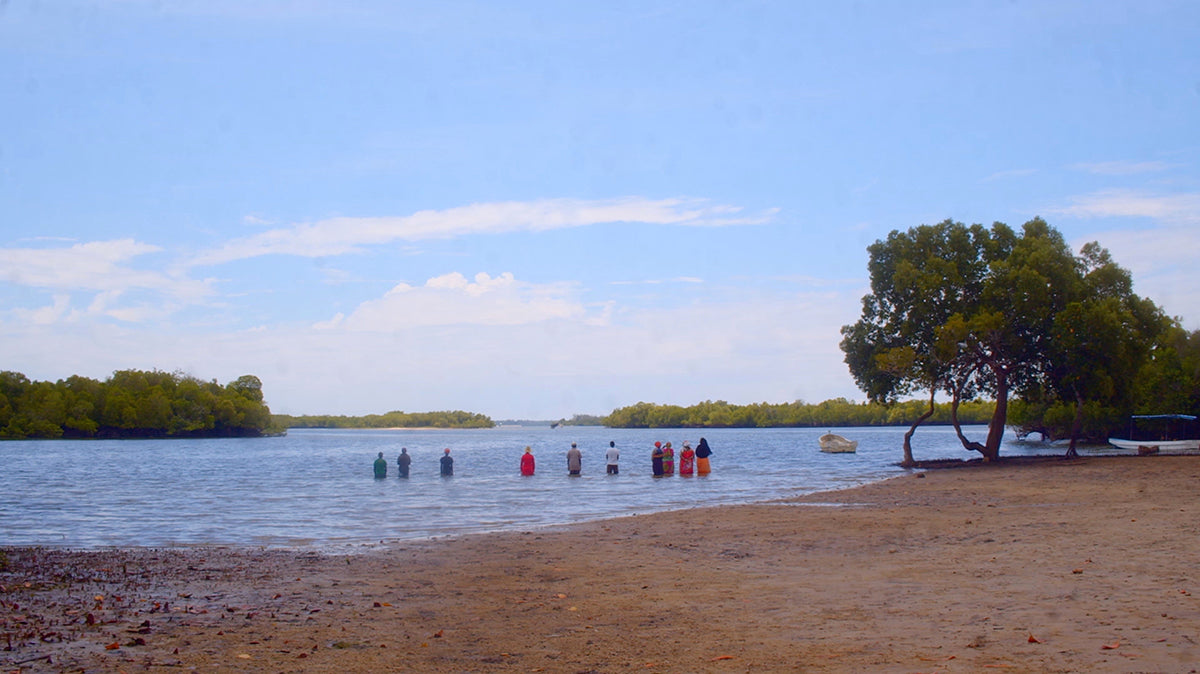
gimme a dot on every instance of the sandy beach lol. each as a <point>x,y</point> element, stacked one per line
<point>1088,565</point>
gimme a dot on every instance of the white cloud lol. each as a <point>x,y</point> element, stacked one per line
<point>46,315</point>
<point>336,236</point>
<point>1162,261</point>
<point>101,267</point>
<point>652,282</point>
<point>1162,255</point>
<point>452,299</point>
<point>1172,209</point>
<point>775,347</point>
<point>1122,168</point>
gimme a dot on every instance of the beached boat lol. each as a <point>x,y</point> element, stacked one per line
<point>836,444</point>
<point>1155,433</point>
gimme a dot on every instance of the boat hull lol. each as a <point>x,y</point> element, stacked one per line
<point>1161,445</point>
<point>836,444</point>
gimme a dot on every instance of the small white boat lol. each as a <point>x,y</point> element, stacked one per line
<point>1155,446</point>
<point>836,444</point>
<point>1168,435</point>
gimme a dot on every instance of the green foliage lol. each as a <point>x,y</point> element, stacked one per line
<point>831,413</point>
<point>584,420</point>
<point>395,419</point>
<point>131,403</point>
<point>971,312</point>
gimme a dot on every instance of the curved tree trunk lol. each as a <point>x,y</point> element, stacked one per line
<point>908,461</point>
<point>969,445</point>
<point>991,450</point>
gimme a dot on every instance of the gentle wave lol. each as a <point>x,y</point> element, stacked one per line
<point>315,487</point>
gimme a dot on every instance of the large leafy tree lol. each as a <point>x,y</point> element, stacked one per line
<point>920,280</point>
<point>1100,341</point>
<point>989,312</point>
<point>131,403</point>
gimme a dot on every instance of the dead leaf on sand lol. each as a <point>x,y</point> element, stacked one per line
<point>1110,647</point>
<point>1034,640</point>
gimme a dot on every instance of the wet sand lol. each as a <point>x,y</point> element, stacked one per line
<point>1029,566</point>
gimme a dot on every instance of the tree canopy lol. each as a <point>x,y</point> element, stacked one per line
<point>971,311</point>
<point>830,413</point>
<point>394,419</point>
<point>131,404</point>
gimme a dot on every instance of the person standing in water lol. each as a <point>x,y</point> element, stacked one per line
<point>668,459</point>
<point>527,463</point>
<point>687,461</point>
<point>702,454</point>
<point>447,463</point>
<point>403,462</point>
<point>656,459</point>
<point>574,460</point>
<point>380,467</point>
<point>612,456</point>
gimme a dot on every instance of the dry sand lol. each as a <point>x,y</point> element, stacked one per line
<point>1088,565</point>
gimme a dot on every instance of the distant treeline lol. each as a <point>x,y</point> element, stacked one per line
<point>831,413</point>
<point>131,404</point>
<point>395,419</point>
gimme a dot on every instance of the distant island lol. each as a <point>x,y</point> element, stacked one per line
<point>831,413</point>
<point>132,404</point>
<point>394,419</point>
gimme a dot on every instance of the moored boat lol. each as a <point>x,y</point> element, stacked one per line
<point>836,444</point>
<point>1155,433</point>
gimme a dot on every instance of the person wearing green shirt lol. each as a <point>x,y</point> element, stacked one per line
<point>380,467</point>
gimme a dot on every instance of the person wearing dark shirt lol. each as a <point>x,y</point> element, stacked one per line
<point>702,454</point>
<point>447,463</point>
<point>403,461</point>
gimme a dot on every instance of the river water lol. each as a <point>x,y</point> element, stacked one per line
<point>315,488</point>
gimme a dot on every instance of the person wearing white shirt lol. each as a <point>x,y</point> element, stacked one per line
<point>612,456</point>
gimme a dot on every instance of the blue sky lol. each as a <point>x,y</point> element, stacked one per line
<point>537,209</point>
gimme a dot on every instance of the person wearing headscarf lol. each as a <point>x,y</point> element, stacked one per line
<point>527,462</point>
<point>668,459</point>
<point>447,463</point>
<point>702,454</point>
<point>687,460</point>
<point>656,459</point>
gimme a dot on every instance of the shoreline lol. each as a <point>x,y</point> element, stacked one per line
<point>1066,565</point>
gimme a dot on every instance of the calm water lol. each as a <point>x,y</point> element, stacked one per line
<point>315,487</point>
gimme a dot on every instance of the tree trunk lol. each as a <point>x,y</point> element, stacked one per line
<point>908,461</point>
<point>991,450</point>
<point>1076,425</point>
<point>969,445</point>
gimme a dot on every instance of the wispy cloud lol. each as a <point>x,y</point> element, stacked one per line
<point>338,236</point>
<point>452,299</point>
<point>1121,168</point>
<point>1170,209</point>
<point>656,281</point>
<point>100,267</point>
<point>97,266</point>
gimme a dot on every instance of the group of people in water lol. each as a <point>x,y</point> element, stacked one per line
<point>662,461</point>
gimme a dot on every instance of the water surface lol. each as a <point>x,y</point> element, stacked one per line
<point>315,487</point>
